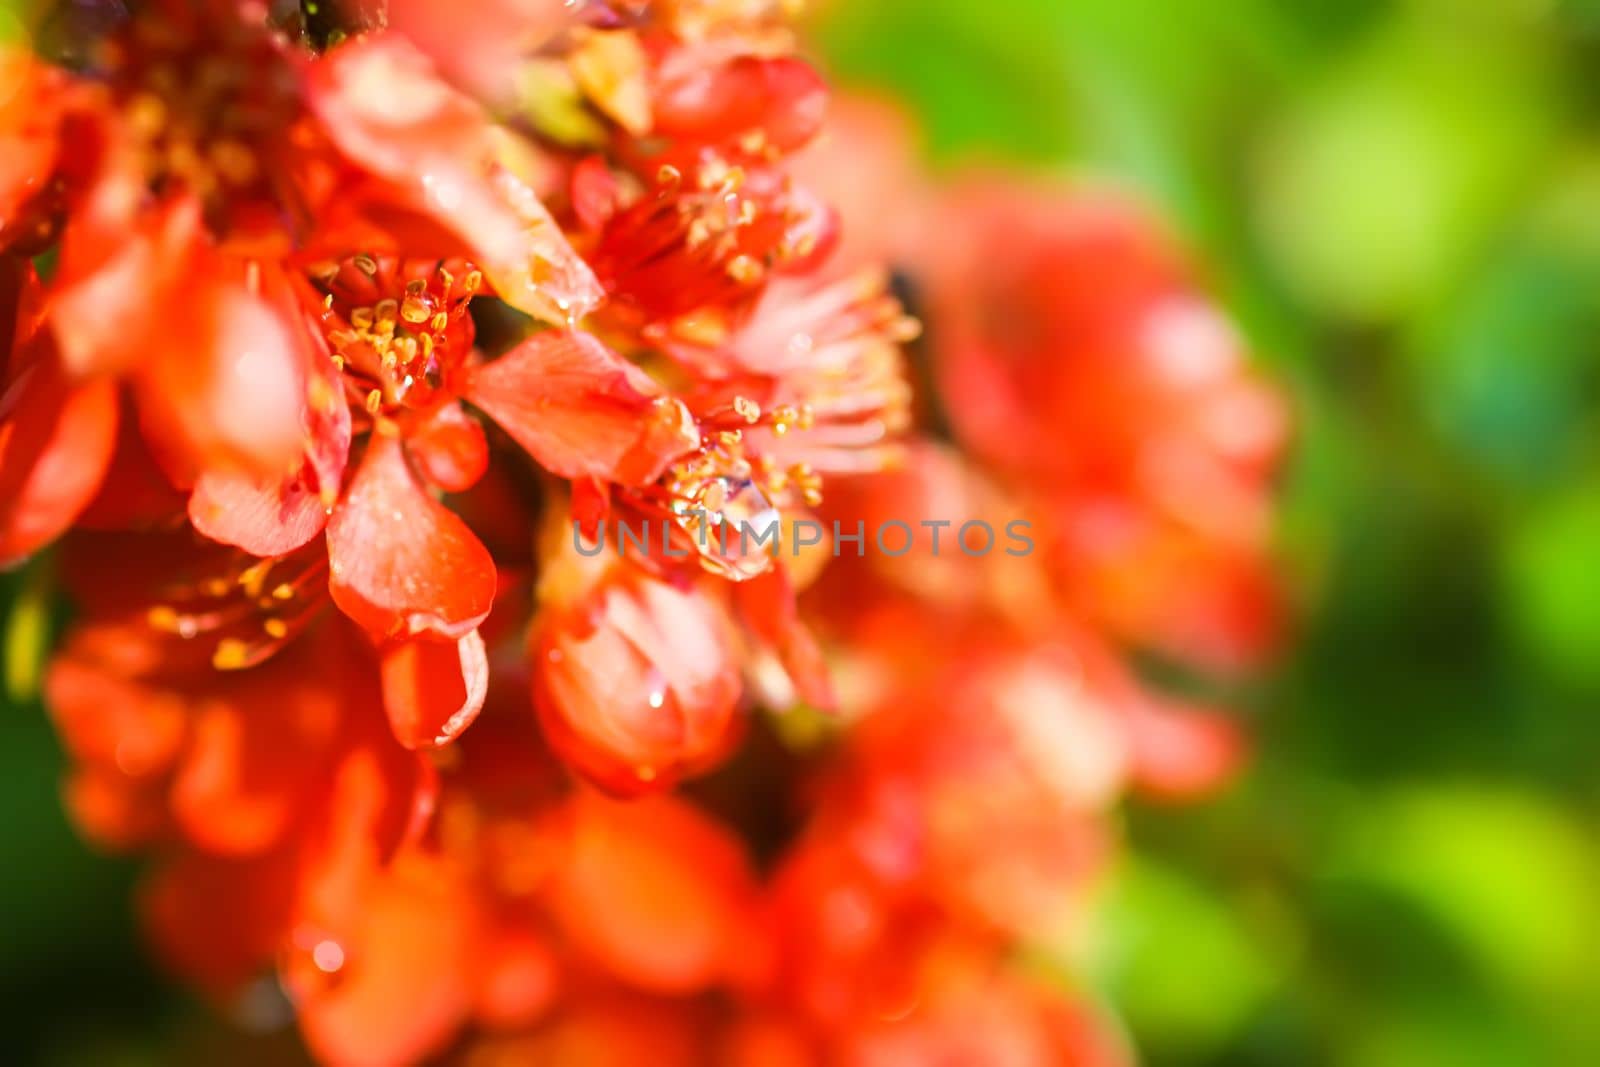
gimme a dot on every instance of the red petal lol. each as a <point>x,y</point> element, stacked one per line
<point>433,689</point>
<point>113,811</point>
<point>218,921</point>
<point>21,299</point>
<point>119,275</point>
<point>517,980</point>
<point>104,714</point>
<point>781,98</point>
<point>635,682</point>
<point>55,445</point>
<point>654,892</point>
<point>30,116</point>
<point>394,982</point>
<point>583,411</point>
<point>400,562</point>
<point>449,448</point>
<point>230,384</point>
<point>594,192</point>
<point>256,752</point>
<point>136,493</point>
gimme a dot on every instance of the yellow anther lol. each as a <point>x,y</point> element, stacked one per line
<point>235,162</point>
<point>146,114</point>
<point>253,578</point>
<point>414,310</point>
<point>231,654</point>
<point>374,401</point>
<point>744,270</point>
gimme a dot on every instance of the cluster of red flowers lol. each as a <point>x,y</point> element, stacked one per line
<point>328,324</point>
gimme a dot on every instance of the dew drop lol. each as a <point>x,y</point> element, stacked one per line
<point>656,688</point>
<point>328,956</point>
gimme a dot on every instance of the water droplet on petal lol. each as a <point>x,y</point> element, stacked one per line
<point>328,956</point>
<point>656,687</point>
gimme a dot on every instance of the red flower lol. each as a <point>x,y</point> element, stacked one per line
<point>312,354</point>
<point>636,683</point>
<point>1070,313</point>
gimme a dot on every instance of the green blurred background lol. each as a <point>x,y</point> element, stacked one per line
<point>1401,203</point>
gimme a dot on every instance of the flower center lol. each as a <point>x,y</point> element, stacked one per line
<point>245,608</point>
<point>204,99</point>
<point>400,331</point>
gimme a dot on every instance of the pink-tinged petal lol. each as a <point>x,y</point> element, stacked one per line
<point>273,516</point>
<point>767,607</point>
<point>223,385</point>
<point>530,264</point>
<point>400,562</point>
<point>485,53</point>
<point>449,448</point>
<point>56,442</point>
<point>583,411</point>
<point>431,152</point>
<point>433,689</point>
<point>264,519</point>
<point>1179,753</point>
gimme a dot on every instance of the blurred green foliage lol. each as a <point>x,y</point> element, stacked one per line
<point>1400,199</point>
<point>1401,203</point>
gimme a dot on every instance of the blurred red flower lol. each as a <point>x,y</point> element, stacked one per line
<point>331,334</point>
